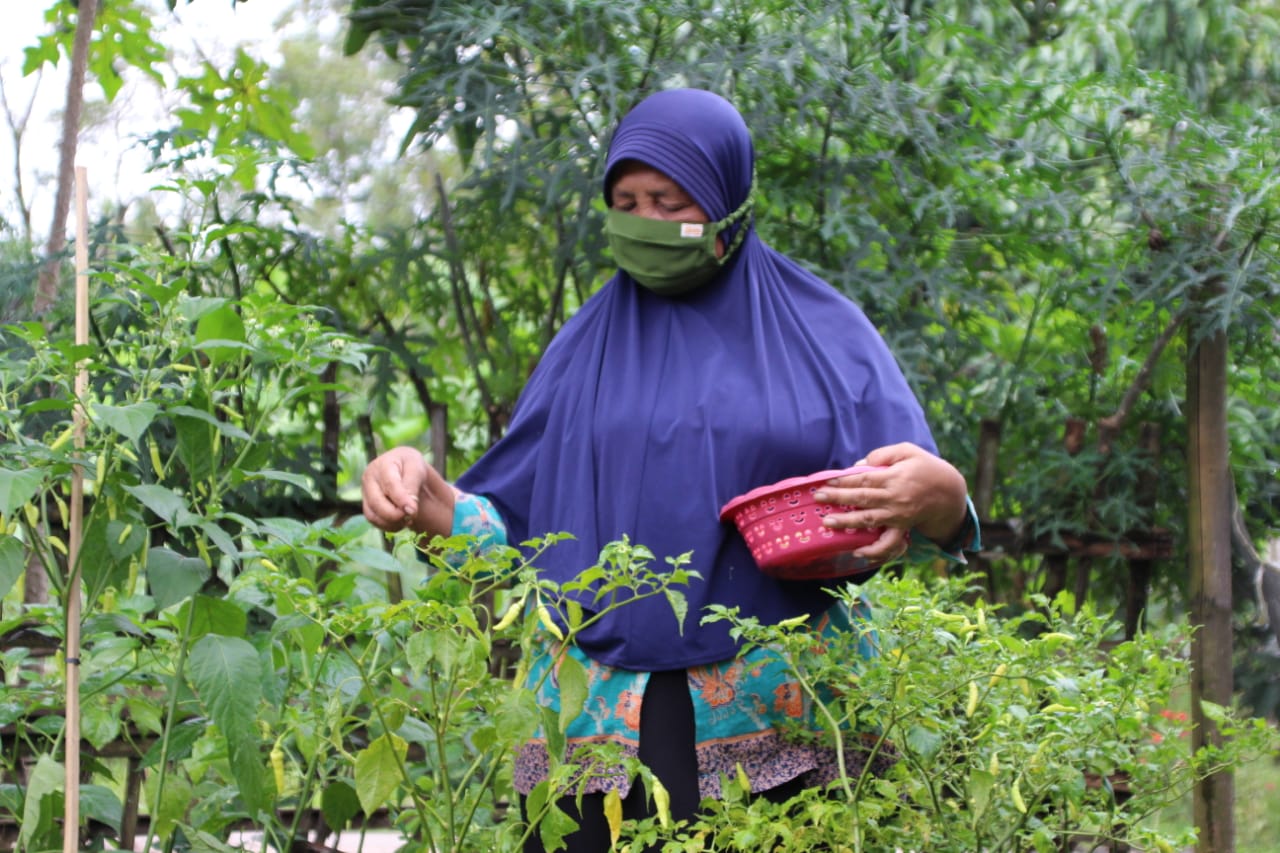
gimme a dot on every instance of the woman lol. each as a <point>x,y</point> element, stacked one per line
<point>708,365</point>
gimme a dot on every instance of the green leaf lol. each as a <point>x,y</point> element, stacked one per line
<point>556,740</point>
<point>339,589</point>
<point>113,623</point>
<point>181,738</point>
<point>130,421</point>
<point>556,825</point>
<point>170,506</point>
<point>47,405</point>
<point>303,483</point>
<point>226,673</point>
<point>220,538</point>
<point>124,536</point>
<point>304,631</point>
<point>339,803</point>
<point>44,51</point>
<point>227,428</point>
<point>170,805</point>
<point>174,578</point>
<point>517,715</point>
<point>107,550</point>
<point>418,651</point>
<point>220,334</point>
<point>573,690</point>
<point>214,616</point>
<point>1213,712</point>
<point>195,441</point>
<point>204,842</point>
<point>378,771</point>
<point>195,307</point>
<point>12,562</point>
<point>145,714</point>
<point>222,323</point>
<point>99,724</point>
<point>100,803</point>
<point>980,783</point>
<point>374,558</point>
<point>17,488</point>
<point>537,801</point>
<point>678,604</point>
<point>43,802</point>
<point>924,742</point>
<point>10,799</point>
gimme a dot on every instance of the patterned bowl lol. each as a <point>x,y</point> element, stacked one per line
<point>782,525</point>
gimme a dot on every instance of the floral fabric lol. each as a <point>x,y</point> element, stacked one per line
<point>742,706</point>
<point>741,709</point>
<point>474,515</point>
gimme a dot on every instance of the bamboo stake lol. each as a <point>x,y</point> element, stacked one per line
<point>71,798</point>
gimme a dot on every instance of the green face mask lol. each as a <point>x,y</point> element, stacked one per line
<point>670,258</point>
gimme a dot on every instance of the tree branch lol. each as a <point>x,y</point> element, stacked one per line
<point>1112,423</point>
<point>47,283</point>
<point>458,285</point>
<point>17,129</point>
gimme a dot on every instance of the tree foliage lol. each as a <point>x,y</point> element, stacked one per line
<point>1025,197</point>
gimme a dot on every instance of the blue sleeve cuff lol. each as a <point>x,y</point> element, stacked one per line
<point>968,539</point>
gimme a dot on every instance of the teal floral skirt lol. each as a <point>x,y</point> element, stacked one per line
<point>750,712</point>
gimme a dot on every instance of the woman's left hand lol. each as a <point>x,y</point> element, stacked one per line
<point>911,489</point>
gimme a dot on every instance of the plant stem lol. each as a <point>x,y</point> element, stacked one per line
<point>171,715</point>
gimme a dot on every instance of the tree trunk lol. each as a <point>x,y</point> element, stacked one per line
<point>1084,573</point>
<point>439,414</point>
<point>331,436</point>
<point>984,490</point>
<point>1056,565</point>
<point>1209,555</point>
<point>1142,569</point>
<point>47,284</point>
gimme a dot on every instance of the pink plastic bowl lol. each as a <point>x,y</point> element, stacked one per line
<point>782,525</point>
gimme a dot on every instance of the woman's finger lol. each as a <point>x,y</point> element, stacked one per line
<point>891,545</point>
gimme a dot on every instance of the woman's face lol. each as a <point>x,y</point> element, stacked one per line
<point>644,191</point>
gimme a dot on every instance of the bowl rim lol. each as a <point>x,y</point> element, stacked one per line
<point>727,511</point>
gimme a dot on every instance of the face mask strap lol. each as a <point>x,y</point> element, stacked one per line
<point>741,213</point>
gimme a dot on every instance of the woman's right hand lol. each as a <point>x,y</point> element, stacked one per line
<point>401,490</point>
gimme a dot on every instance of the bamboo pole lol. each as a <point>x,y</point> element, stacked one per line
<point>71,798</point>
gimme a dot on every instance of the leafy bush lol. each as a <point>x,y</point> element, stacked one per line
<point>1005,734</point>
<point>181,449</point>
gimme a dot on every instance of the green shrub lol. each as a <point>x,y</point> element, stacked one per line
<point>1005,734</point>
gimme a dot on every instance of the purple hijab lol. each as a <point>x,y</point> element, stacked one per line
<point>648,413</point>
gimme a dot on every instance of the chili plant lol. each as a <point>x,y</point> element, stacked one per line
<point>1023,733</point>
<point>180,446</point>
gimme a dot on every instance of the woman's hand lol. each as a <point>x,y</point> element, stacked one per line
<point>912,489</point>
<point>401,490</point>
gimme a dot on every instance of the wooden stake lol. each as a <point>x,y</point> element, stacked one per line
<point>71,798</point>
<point>1209,558</point>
